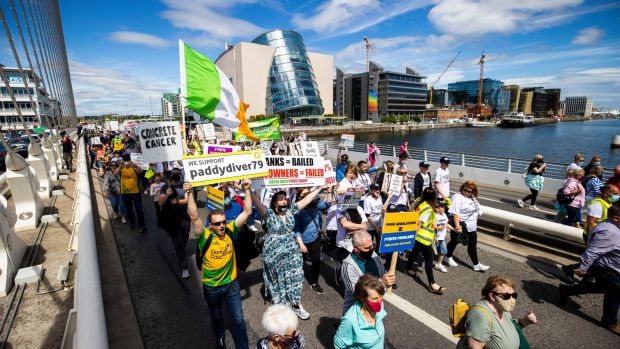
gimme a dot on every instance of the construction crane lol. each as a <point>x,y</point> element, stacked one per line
<point>480,84</point>
<point>369,47</point>
<point>430,101</point>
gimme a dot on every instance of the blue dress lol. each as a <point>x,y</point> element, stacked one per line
<point>283,272</point>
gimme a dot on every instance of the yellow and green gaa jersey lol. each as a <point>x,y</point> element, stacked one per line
<point>219,265</point>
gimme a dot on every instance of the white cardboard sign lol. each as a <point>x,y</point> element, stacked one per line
<point>114,125</point>
<point>346,141</point>
<point>350,199</point>
<point>208,131</point>
<point>395,183</point>
<point>295,171</point>
<point>160,141</point>
<point>96,141</point>
<point>136,158</point>
<point>330,174</point>
<point>215,168</point>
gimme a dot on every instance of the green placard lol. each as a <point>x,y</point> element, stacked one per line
<point>265,130</point>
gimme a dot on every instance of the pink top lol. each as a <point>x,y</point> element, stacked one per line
<point>570,184</point>
<point>403,149</point>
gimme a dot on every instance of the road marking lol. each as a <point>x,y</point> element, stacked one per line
<point>425,318</point>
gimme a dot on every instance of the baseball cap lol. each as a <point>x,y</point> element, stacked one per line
<point>375,186</point>
<point>424,164</point>
<point>444,160</point>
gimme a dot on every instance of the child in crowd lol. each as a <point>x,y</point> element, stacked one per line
<point>155,190</point>
<point>441,227</point>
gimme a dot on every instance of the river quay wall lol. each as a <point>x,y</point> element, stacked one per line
<point>335,130</point>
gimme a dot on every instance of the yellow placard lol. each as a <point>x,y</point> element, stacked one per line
<point>399,229</point>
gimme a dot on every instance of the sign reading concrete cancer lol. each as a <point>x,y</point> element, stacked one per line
<point>160,141</point>
<point>295,171</point>
<point>215,168</point>
<point>399,229</point>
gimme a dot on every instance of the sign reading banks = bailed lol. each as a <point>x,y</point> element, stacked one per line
<point>160,141</point>
<point>216,168</point>
<point>399,229</point>
<point>295,171</point>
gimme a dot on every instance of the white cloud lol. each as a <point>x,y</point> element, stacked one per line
<point>100,90</point>
<point>340,17</point>
<point>139,38</point>
<point>205,20</point>
<point>479,17</point>
<point>588,36</point>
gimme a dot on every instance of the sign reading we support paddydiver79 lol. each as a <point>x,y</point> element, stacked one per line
<point>216,168</point>
<point>295,171</point>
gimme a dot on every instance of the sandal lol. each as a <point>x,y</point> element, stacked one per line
<point>440,290</point>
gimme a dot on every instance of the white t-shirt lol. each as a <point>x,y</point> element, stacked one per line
<point>363,180</point>
<point>443,178</point>
<point>440,225</point>
<point>595,210</point>
<point>400,199</point>
<point>330,218</point>
<point>467,210</point>
<point>426,179</point>
<point>374,208</point>
<point>344,184</point>
<point>341,235</point>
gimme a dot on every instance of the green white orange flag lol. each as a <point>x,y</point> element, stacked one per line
<point>208,92</point>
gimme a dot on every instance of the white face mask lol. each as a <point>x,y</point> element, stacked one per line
<point>503,305</point>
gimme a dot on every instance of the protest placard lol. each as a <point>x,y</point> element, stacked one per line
<point>330,174</point>
<point>268,129</point>
<point>322,147</point>
<point>218,149</point>
<point>223,167</point>
<point>395,183</point>
<point>295,171</point>
<point>206,131</point>
<point>350,199</point>
<point>137,159</point>
<point>215,198</point>
<point>95,141</point>
<point>399,229</point>
<point>160,141</point>
<point>266,149</point>
<point>346,141</point>
<point>113,125</point>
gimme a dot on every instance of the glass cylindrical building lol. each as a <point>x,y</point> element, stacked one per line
<point>292,90</point>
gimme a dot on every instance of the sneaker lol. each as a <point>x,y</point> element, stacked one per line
<point>563,291</point>
<point>481,267</point>
<point>451,262</point>
<point>569,274</point>
<point>253,228</point>
<point>440,268</point>
<point>146,192</point>
<point>301,312</point>
<point>534,207</point>
<point>220,343</point>
<point>521,203</point>
<point>185,273</point>
<point>317,288</point>
<point>615,328</point>
<point>123,220</point>
<point>113,215</point>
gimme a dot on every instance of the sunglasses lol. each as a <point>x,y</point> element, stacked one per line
<point>467,191</point>
<point>506,296</point>
<point>217,224</point>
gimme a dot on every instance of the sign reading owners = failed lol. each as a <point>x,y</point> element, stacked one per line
<point>295,171</point>
<point>216,168</point>
<point>160,141</point>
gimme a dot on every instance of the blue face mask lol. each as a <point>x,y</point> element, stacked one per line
<point>614,198</point>
<point>227,201</point>
<point>598,163</point>
<point>580,163</point>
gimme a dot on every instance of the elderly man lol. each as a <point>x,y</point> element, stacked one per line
<point>601,261</point>
<point>362,261</point>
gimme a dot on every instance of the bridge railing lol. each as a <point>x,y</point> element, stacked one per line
<point>487,162</point>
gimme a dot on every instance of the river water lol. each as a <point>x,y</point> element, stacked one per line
<point>556,142</point>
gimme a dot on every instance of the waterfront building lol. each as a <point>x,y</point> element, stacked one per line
<point>553,101</point>
<point>170,105</point>
<point>375,94</point>
<point>444,114</point>
<point>275,74</point>
<point>515,96</point>
<point>535,101</point>
<point>48,107</point>
<point>493,94</point>
<point>578,106</point>
<point>440,97</point>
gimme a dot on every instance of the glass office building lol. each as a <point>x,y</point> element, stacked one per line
<point>465,92</point>
<point>292,90</point>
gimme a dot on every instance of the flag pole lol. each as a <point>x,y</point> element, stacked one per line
<point>183,95</point>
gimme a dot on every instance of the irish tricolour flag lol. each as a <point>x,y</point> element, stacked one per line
<point>208,92</point>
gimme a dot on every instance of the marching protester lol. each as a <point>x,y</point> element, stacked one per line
<point>441,227</point>
<point>374,208</point>
<point>401,202</point>
<point>130,192</point>
<point>404,149</point>
<point>534,179</point>
<point>442,178</point>
<point>464,212</point>
<point>489,323</point>
<point>424,239</point>
<point>615,179</point>
<point>282,261</point>
<point>349,181</point>
<point>572,188</point>
<point>112,191</point>
<point>308,223</point>
<point>342,166</point>
<point>174,219</point>
<point>593,184</point>
<point>67,152</point>
<point>422,179</point>
<point>348,222</point>
<point>219,267</point>
<point>373,154</point>
<point>577,164</point>
<point>281,324</point>
<point>596,160</point>
<point>363,175</point>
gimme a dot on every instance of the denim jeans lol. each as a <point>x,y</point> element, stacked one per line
<point>134,201</point>
<point>231,294</point>
<point>118,206</point>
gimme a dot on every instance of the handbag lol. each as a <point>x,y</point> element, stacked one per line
<point>149,173</point>
<point>523,343</point>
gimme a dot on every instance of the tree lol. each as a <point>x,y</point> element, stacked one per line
<point>403,119</point>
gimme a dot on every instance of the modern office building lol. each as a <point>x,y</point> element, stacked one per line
<point>515,96</point>
<point>275,74</point>
<point>377,93</point>
<point>534,101</point>
<point>553,101</point>
<point>578,106</point>
<point>170,105</point>
<point>493,94</point>
<point>440,97</point>
<point>47,107</point>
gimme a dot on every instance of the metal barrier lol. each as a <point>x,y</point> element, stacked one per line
<point>487,162</point>
<point>90,327</point>
<point>4,187</point>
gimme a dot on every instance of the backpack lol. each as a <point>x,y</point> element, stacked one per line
<point>564,199</point>
<point>458,315</point>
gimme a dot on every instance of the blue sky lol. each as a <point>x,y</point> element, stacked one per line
<point>127,50</point>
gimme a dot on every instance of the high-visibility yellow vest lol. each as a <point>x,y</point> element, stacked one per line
<point>606,205</point>
<point>426,232</point>
<point>117,144</point>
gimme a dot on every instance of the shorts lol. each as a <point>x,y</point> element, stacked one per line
<point>442,249</point>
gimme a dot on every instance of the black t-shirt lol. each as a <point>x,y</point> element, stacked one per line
<point>67,146</point>
<point>535,165</point>
<point>177,193</point>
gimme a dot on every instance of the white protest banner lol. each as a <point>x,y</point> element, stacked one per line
<point>346,141</point>
<point>222,167</point>
<point>207,130</point>
<point>330,174</point>
<point>160,141</point>
<point>295,171</point>
<point>113,125</point>
<point>136,158</point>
<point>95,141</point>
<point>310,149</point>
<point>395,184</point>
<point>350,199</point>
<point>322,147</point>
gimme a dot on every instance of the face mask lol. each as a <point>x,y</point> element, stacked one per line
<point>614,198</point>
<point>580,163</point>
<point>507,306</point>
<point>227,201</point>
<point>366,255</point>
<point>297,342</point>
<point>282,209</point>
<point>374,306</point>
<point>598,163</point>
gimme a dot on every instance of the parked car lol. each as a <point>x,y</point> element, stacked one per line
<point>2,158</point>
<point>20,145</point>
